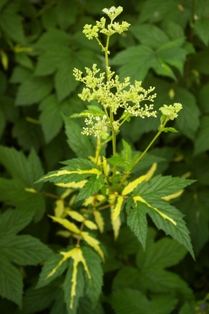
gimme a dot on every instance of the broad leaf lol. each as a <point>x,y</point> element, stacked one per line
<point>11,282</point>
<point>81,145</point>
<point>201,143</point>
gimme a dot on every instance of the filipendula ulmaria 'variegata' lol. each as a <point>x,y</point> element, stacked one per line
<point>97,183</point>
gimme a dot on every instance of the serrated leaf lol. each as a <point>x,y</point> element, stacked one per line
<point>150,35</point>
<point>134,62</point>
<point>50,117</point>
<point>94,284</point>
<point>92,186</point>
<point>75,215</point>
<point>67,287</point>
<point>201,141</point>
<point>132,185</point>
<point>24,249</point>
<point>49,265</point>
<point>93,243</point>
<point>14,220</point>
<point>137,221</point>
<point>11,282</point>
<point>81,145</point>
<point>37,300</point>
<point>188,119</point>
<point>25,169</point>
<point>66,13</point>
<point>33,90</point>
<point>116,223</point>
<point>11,25</point>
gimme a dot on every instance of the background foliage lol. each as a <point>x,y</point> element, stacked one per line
<point>41,42</point>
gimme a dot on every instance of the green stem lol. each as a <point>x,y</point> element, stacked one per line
<point>142,155</point>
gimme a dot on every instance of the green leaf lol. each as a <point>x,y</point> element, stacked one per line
<point>92,186</point>
<point>203,98</point>
<point>135,302</point>
<point>50,117</point>
<point>11,25</point>
<point>24,249</point>
<point>52,39</point>
<point>152,192</point>
<point>201,142</point>
<point>162,253</point>
<point>85,307</point>
<point>33,90</point>
<point>11,282</point>
<point>94,284</point>
<point>173,130</point>
<point>49,265</point>
<point>134,62</point>
<point>80,144</point>
<point>149,35</point>
<point>14,220</point>
<point>201,26</point>
<point>65,82</point>
<point>66,13</point>
<point>136,220</point>
<point>24,169</point>
<point>188,119</point>
<point>37,300</point>
<point>67,286</point>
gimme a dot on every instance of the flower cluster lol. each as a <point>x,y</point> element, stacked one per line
<point>171,111</point>
<point>113,94</point>
<point>97,126</point>
<point>91,31</point>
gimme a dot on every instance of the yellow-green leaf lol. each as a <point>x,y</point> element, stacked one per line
<point>116,223</point>
<point>90,224</point>
<point>78,171</point>
<point>59,208</point>
<point>132,185</point>
<point>99,220</point>
<point>117,208</point>
<point>93,243</point>
<point>140,199</point>
<point>31,190</point>
<point>171,196</point>
<point>151,171</point>
<point>75,215</point>
<point>73,184</point>
<point>67,224</point>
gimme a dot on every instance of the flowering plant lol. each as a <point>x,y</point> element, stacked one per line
<point>97,186</point>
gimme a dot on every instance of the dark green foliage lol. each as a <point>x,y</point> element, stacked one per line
<point>41,42</point>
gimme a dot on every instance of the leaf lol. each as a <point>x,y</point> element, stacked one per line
<point>132,185</point>
<point>136,302</point>
<point>37,300</point>
<point>93,243</point>
<point>92,186</point>
<point>50,117</point>
<point>11,282</point>
<point>65,83</point>
<point>14,220</point>
<point>136,220</point>
<point>48,267</point>
<point>81,145</point>
<point>188,119</point>
<point>25,170</point>
<point>11,25</point>
<point>94,284</point>
<point>33,90</point>
<point>201,26</point>
<point>24,249</point>
<point>67,224</point>
<point>201,141</point>
<point>149,35</point>
<point>67,286</point>
<point>66,13</point>
<point>99,220</point>
<point>134,62</point>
